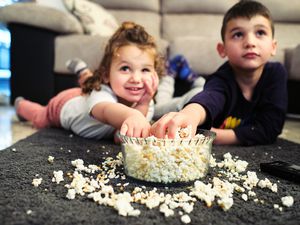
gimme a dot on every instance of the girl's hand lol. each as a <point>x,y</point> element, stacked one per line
<point>136,126</point>
<point>150,89</point>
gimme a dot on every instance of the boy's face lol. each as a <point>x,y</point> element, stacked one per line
<point>248,43</point>
<point>131,67</point>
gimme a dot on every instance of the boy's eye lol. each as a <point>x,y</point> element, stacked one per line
<point>125,68</point>
<point>237,35</point>
<point>261,32</point>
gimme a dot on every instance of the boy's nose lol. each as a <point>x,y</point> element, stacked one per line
<point>249,41</point>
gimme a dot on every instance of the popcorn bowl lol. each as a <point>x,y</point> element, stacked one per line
<point>179,160</point>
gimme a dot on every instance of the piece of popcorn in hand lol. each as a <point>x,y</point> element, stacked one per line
<point>184,132</point>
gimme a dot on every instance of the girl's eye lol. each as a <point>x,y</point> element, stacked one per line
<point>237,35</point>
<point>125,68</point>
<point>145,70</point>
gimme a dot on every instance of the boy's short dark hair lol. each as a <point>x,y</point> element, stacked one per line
<point>246,9</point>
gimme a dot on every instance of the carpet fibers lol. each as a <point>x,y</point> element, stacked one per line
<point>22,203</point>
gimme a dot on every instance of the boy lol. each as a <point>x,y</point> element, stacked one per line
<point>244,101</point>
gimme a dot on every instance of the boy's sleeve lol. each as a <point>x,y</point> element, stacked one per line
<point>212,99</point>
<point>270,113</point>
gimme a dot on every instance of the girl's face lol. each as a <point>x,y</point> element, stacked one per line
<point>248,43</point>
<point>131,67</point>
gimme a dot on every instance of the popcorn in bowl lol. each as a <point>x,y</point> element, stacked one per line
<point>182,159</point>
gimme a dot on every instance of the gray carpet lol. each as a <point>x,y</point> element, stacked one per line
<point>21,162</point>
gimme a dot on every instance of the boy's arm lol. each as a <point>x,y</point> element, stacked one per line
<point>129,121</point>
<point>193,114</point>
<point>225,137</point>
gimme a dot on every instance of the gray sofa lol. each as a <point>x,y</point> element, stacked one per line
<point>44,38</point>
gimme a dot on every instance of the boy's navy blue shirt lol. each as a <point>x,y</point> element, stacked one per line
<point>258,121</point>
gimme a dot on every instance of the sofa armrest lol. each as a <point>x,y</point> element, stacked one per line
<point>295,64</point>
<point>39,16</point>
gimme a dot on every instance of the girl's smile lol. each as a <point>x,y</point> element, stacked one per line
<point>131,67</point>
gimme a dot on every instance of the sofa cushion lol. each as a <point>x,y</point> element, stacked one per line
<point>89,48</point>
<point>40,16</point>
<point>57,4</point>
<point>196,6</point>
<point>148,5</point>
<point>150,20</point>
<point>287,36</point>
<point>93,17</point>
<point>295,64</point>
<point>283,11</point>
<point>199,51</point>
<point>180,25</point>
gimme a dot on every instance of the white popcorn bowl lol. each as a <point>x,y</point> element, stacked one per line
<point>167,160</point>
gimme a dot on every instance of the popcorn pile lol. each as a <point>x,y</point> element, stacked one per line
<point>182,159</point>
<point>171,161</point>
<point>96,182</point>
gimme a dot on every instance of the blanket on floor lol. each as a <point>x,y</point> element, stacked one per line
<point>23,203</point>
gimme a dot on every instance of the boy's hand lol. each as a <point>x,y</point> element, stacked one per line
<point>193,114</point>
<point>136,126</point>
<point>168,125</point>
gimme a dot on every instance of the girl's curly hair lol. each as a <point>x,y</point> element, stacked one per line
<point>128,33</point>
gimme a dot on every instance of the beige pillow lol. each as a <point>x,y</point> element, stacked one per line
<point>93,17</point>
<point>57,4</point>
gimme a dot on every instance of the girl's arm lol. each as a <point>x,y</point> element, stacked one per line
<point>129,121</point>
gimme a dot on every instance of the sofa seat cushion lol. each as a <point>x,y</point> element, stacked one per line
<point>89,48</point>
<point>205,60</point>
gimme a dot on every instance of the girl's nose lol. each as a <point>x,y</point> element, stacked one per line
<point>136,77</point>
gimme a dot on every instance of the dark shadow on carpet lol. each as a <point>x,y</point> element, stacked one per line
<point>47,203</point>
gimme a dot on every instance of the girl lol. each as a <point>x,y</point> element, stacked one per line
<point>117,97</point>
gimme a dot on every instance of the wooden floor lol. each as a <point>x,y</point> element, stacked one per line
<point>11,130</point>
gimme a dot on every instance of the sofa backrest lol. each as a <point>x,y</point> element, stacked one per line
<point>146,13</point>
<point>196,24</point>
<point>193,29</point>
<point>286,16</point>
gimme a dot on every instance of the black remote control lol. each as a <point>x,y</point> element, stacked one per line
<point>283,170</point>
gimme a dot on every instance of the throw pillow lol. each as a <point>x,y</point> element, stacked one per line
<point>93,17</point>
<point>57,4</point>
